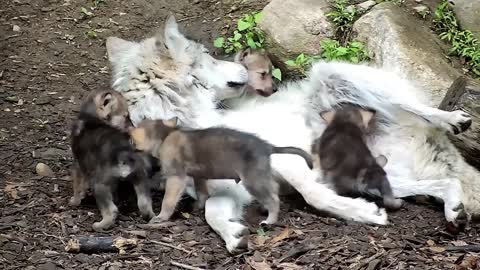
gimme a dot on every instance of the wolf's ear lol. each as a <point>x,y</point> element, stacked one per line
<point>174,40</point>
<point>171,122</point>
<point>381,160</point>
<point>116,47</point>
<point>367,116</point>
<point>328,116</point>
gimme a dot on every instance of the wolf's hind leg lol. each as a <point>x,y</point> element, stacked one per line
<point>455,121</point>
<point>449,190</point>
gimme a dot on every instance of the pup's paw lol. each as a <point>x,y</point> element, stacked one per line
<point>157,220</point>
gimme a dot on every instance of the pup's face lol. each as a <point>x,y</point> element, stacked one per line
<point>358,116</point>
<point>151,132</point>
<point>112,107</point>
<point>259,68</point>
<point>108,106</point>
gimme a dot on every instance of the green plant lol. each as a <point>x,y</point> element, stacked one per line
<point>247,34</point>
<point>277,74</point>
<point>85,13</point>
<point>96,3</point>
<point>91,34</point>
<point>464,44</point>
<point>342,15</point>
<point>353,52</point>
<point>302,62</point>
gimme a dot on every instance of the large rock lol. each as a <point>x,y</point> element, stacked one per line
<point>293,27</point>
<point>401,43</point>
<point>464,94</point>
<point>468,15</point>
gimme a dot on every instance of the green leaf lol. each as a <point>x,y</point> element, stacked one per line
<point>219,42</point>
<point>243,25</point>
<point>342,51</point>
<point>260,232</point>
<point>277,74</point>
<point>290,63</point>
<point>237,36</point>
<point>251,43</point>
<point>300,58</point>
<point>258,17</point>
<point>354,59</point>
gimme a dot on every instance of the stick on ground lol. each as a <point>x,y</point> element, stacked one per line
<point>185,266</point>
<point>88,244</point>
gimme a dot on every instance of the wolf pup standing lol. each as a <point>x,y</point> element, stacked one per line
<point>345,158</point>
<point>103,156</point>
<point>212,153</point>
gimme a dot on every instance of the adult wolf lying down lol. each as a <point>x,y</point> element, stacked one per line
<point>169,75</point>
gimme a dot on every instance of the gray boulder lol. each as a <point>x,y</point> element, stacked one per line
<point>468,15</point>
<point>398,42</point>
<point>293,27</point>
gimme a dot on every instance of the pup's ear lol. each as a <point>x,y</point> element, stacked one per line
<point>381,160</point>
<point>171,122</point>
<point>367,116</point>
<point>241,55</point>
<point>328,116</point>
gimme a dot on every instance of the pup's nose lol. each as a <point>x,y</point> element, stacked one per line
<point>264,92</point>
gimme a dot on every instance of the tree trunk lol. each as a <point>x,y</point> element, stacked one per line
<point>464,94</point>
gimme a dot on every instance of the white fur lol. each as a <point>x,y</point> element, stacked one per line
<point>411,135</point>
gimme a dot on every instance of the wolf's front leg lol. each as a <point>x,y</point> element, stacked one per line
<point>223,212</point>
<point>294,170</point>
<point>449,190</point>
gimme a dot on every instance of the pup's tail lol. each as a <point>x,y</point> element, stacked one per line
<point>295,151</point>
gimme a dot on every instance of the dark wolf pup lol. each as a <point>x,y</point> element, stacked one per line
<point>345,158</point>
<point>212,153</point>
<point>103,156</point>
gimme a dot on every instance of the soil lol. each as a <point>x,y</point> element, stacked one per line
<point>48,64</point>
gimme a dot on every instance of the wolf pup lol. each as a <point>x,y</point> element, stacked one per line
<point>259,67</point>
<point>345,158</point>
<point>103,156</point>
<point>212,153</point>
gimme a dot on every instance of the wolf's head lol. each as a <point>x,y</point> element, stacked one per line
<point>169,75</point>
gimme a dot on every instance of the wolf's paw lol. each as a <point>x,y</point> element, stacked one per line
<point>459,121</point>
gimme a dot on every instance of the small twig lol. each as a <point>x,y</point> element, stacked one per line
<point>188,18</point>
<point>155,225</point>
<point>9,37</point>
<point>470,248</point>
<point>170,246</point>
<point>370,259</point>
<point>14,238</point>
<point>185,266</point>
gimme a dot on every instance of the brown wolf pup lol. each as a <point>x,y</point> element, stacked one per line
<point>104,156</point>
<point>345,158</point>
<point>212,153</point>
<point>259,67</point>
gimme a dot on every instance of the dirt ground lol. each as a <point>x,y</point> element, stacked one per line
<point>47,64</point>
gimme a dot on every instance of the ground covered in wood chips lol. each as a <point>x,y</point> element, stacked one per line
<point>50,59</point>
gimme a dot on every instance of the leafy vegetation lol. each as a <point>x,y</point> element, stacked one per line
<point>302,62</point>
<point>464,44</point>
<point>342,15</point>
<point>353,52</point>
<point>246,35</point>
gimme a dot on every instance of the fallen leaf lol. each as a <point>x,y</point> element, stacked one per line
<point>298,232</point>
<point>10,189</point>
<point>186,215</point>
<point>258,265</point>
<point>283,235</point>
<point>469,262</point>
<point>430,243</point>
<point>459,243</point>
<point>290,266</point>
<point>259,240</point>
<point>437,249</point>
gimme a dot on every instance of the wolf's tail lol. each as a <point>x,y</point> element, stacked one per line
<point>295,151</point>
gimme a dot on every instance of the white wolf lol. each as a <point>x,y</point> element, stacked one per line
<point>169,75</point>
